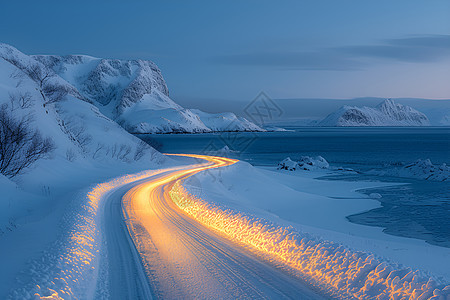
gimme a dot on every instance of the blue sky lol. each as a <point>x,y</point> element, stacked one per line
<point>231,50</point>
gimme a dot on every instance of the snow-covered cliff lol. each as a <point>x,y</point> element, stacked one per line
<point>387,113</point>
<point>57,108</point>
<point>134,93</point>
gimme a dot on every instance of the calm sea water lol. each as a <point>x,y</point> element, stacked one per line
<point>420,209</point>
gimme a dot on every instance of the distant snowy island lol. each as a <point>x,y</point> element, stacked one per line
<point>363,112</point>
<point>387,113</point>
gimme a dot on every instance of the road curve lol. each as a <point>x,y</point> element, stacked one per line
<point>160,252</point>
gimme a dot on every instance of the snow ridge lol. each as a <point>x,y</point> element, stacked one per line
<point>336,269</point>
<point>387,113</point>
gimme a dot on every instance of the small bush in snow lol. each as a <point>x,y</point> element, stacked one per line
<point>20,100</point>
<point>98,150</point>
<point>79,134</point>
<point>124,151</point>
<point>71,155</point>
<point>140,150</point>
<point>20,146</point>
<point>54,93</point>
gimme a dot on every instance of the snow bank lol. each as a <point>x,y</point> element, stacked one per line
<point>336,269</point>
<point>304,163</point>
<point>69,268</point>
<point>288,164</point>
<point>420,169</point>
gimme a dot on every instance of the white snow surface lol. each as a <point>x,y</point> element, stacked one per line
<point>387,113</point>
<point>296,205</point>
<point>134,93</point>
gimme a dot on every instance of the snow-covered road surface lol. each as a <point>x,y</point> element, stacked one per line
<point>126,276</point>
<point>180,257</point>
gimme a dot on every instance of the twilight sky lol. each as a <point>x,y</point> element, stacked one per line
<point>231,50</point>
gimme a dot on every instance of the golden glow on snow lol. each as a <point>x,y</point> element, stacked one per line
<point>82,247</point>
<point>341,272</point>
<point>330,266</point>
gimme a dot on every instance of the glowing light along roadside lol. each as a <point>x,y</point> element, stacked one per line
<point>338,270</point>
<point>153,222</point>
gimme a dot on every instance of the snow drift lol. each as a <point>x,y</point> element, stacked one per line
<point>338,270</point>
<point>304,163</point>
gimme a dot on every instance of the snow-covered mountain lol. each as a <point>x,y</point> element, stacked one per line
<point>387,113</point>
<point>39,99</point>
<point>134,93</point>
<point>39,108</point>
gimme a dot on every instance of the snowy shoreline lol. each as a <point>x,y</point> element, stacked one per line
<point>314,211</point>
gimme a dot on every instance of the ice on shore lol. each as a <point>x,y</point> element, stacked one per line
<point>420,169</point>
<point>309,232</point>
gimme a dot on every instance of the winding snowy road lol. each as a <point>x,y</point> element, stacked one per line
<point>156,250</point>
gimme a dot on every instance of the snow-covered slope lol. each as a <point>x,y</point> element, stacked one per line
<point>387,113</point>
<point>80,133</point>
<point>134,93</point>
<point>76,126</point>
<point>37,205</point>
